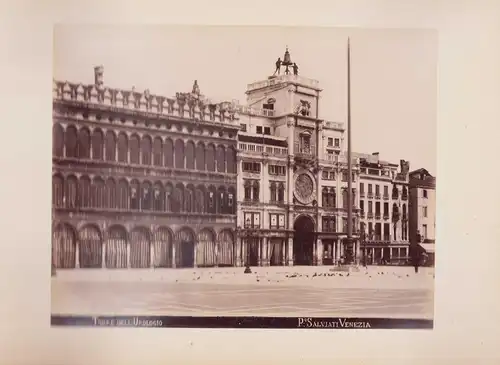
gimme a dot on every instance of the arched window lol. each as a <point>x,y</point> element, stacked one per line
<point>169,191</point>
<point>221,159</point>
<point>116,248</point>
<point>168,153</point>
<point>111,146</point>
<point>84,192</point>
<point>97,144</point>
<point>122,148</point>
<point>231,160</point>
<point>90,247</point>
<point>71,141</point>
<point>231,203</point>
<point>178,198</point>
<point>71,192</point>
<point>281,193</point>
<point>158,197</point>
<point>200,199</point>
<point>179,154</point>
<point>57,191</point>
<point>190,155</point>
<point>122,195</point>
<point>256,190</point>
<point>146,196</point>
<point>274,192</point>
<point>111,194</point>
<point>395,192</point>
<point>97,198</point>
<point>134,195</point>
<point>140,248</point>
<point>157,152</point>
<point>221,200</point>
<point>64,247</point>
<point>200,156</point>
<point>189,199</point>
<point>211,205</point>
<point>210,157</point>
<point>57,140</point>
<point>84,143</point>
<point>146,150</point>
<point>205,249</point>
<point>135,149</point>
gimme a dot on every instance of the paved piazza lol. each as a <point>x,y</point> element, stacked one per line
<point>392,292</point>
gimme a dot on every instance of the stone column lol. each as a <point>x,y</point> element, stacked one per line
<point>319,251</point>
<point>77,255</point>
<point>290,252</point>
<point>238,252</point>
<point>285,252</point>
<point>315,253</point>
<point>195,246</point>
<point>152,255</point>
<point>128,255</point>
<point>259,251</point>
<point>103,264</point>
<point>358,251</point>
<point>174,247</point>
<point>265,251</point>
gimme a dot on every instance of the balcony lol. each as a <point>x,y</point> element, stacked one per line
<point>370,195</point>
<point>377,196</point>
<point>362,214</point>
<point>361,194</point>
<point>386,196</point>
<point>386,216</point>
<point>377,215</point>
<point>369,215</point>
<point>395,196</point>
<point>404,197</point>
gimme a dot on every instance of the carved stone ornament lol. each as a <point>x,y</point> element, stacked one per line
<point>304,187</point>
<point>303,108</point>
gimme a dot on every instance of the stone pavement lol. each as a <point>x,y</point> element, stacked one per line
<point>372,277</point>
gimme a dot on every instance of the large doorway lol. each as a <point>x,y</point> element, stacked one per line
<point>185,249</point>
<point>303,241</point>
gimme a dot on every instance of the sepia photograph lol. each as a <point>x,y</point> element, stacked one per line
<point>247,177</point>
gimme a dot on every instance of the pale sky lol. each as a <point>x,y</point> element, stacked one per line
<point>393,72</point>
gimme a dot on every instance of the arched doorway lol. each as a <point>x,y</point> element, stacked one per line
<point>303,241</point>
<point>64,247</point>
<point>184,253</point>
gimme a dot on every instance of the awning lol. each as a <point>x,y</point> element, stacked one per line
<point>428,247</point>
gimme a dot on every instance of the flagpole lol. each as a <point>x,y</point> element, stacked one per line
<point>349,157</point>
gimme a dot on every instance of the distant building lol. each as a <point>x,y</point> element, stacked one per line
<point>423,209</point>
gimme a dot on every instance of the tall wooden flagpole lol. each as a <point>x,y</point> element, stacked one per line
<point>349,158</point>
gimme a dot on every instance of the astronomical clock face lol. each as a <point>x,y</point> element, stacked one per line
<point>304,188</point>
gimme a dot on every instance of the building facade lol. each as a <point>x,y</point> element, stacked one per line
<point>384,209</point>
<point>141,180</point>
<point>422,207</point>
<point>147,181</point>
<point>292,208</point>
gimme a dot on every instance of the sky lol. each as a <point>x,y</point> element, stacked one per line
<point>393,72</point>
